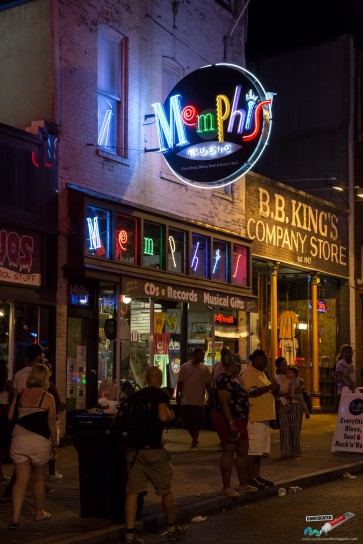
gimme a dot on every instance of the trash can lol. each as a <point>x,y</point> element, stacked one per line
<point>102,467</point>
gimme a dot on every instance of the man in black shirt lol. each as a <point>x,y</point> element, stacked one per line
<point>152,462</point>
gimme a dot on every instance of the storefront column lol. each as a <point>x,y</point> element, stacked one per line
<point>118,345</point>
<point>152,331</point>
<point>315,346</point>
<point>274,338</point>
<point>262,313</point>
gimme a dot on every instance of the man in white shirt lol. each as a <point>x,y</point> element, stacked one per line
<point>35,354</point>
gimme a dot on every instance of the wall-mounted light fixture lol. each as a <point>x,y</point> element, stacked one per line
<point>341,187</point>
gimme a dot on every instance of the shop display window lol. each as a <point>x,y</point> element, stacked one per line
<point>240,265</point>
<point>220,260</point>
<point>76,363</point>
<point>199,256</point>
<point>153,245</point>
<point>97,232</point>
<point>126,238</point>
<point>176,251</point>
<point>106,345</point>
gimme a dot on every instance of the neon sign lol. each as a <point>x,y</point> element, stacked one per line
<point>225,319</point>
<point>172,249</point>
<point>217,257</point>
<point>94,234</point>
<point>195,259</point>
<point>122,239</point>
<point>148,246</point>
<point>214,125</point>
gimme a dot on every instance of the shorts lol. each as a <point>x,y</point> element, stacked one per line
<point>30,447</point>
<point>192,417</point>
<point>223,429</point>
<point>259,438</point>
<point>150,465</point>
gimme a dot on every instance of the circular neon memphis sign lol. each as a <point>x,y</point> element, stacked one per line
<point>214,125</point>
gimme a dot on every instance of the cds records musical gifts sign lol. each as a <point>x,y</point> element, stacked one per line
<point>214,125</point>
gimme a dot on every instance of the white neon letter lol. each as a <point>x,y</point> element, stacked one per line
<point>94,233</point>
<point>195,258</point>
<point>166,132</point>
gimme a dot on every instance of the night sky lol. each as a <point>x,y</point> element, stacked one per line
<point>278,25</point>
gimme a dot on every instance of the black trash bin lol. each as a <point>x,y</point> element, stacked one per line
<point>102,467</point>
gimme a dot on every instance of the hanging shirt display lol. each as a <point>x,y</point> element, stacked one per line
<point>289,349</point>
<point>288,322</point>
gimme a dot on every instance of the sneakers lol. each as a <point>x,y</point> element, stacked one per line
<point>4,478</point>
<point>266,483</point>
<point>55,476</point>
<point>48,489</point>
<point>134,539</point>
<point>177,533</point>
<point>256,483</point>
<point>247,489</point>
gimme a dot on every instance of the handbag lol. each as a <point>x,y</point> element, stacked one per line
<point>274,424</point>
<point>307,400</point>
<point>14,419</point>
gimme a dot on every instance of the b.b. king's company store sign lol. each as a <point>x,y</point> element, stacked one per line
<point>293,227</point>
<point>214,125</point>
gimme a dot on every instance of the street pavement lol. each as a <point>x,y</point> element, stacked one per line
<point>283,519</point>
<point>197,486</point>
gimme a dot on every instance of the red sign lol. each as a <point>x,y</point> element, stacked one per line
<point>19,258</point>
<point>322,306</point>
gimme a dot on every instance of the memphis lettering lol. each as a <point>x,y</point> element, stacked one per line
<point>219,118</point>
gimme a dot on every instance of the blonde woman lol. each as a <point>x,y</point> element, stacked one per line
<point>34,441</point>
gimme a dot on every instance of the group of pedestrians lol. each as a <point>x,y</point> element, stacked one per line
<point>244,403</point>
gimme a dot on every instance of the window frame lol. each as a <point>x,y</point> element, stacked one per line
<point>121,133</point>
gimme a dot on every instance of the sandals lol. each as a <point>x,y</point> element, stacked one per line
<point>230,492</point>
<point>13,526</point>
<point>45,516</point>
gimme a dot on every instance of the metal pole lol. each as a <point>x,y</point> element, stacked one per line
<point>118,344</point>
<point>274,338</point>
<point>315,351</point>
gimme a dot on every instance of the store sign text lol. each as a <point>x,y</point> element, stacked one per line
<point>134,288</point>
<point>214,125</point>
<point>16,258</point>
<point>298,227</point>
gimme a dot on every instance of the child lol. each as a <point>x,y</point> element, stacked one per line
<point>296,388</point>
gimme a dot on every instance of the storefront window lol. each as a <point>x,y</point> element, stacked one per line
<point>176,251</point>
<point>240,265</point>
<point>199,256</point>
<point>125,238</point>
<point>107,331</point>
<point>76,363</point>
<point>152,245</point>
<point>97,232</point>
<point>220,260</point>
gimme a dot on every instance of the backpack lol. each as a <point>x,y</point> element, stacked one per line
<point>134,424</point>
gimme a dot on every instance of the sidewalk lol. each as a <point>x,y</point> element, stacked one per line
<point>196,486</point>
